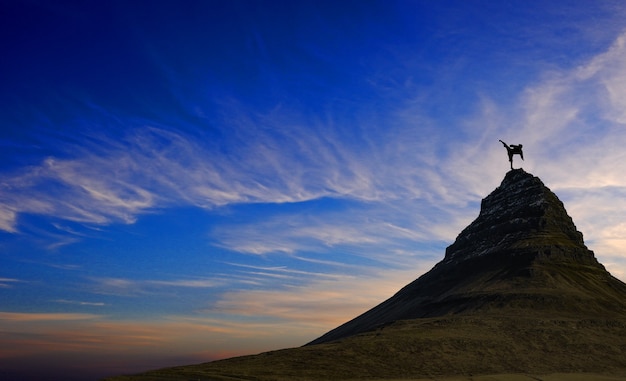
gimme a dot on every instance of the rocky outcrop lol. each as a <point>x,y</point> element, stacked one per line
<point>523,252</point>
<point>521,215</point>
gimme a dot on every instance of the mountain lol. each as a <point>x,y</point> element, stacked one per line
<point>522,252</point>
<point>517,292</point>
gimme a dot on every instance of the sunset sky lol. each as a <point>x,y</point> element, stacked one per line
<point>182,181</point>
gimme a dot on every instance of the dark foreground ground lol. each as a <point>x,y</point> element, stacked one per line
<point>495,377</point>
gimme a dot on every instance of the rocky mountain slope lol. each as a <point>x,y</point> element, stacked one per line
<point>517,292</point>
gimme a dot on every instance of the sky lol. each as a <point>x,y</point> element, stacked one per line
<point>183,181</point>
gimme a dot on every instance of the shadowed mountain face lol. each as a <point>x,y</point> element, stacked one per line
<point>517,292</point>
<point>522,252</point>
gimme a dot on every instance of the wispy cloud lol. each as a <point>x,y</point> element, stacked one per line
<point>35,316</point>
<point>372,231</point>
<point>7,219</point>
<point>124,286</point>
<point>80,303</point>
<point>156,167</point>
<point>8,282</point>
<point>285,277</point>
<point>190,283</point>
<point>88,338</point>
<point>319,303</point>
<point>24,334</point>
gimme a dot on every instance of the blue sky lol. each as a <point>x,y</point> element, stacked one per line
<point>186,181</point>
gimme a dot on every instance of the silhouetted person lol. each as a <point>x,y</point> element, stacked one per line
<point>513,150</point>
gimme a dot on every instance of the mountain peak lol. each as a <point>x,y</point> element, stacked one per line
<point>519,215</point>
